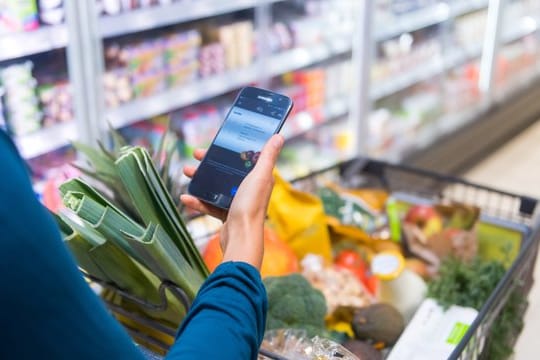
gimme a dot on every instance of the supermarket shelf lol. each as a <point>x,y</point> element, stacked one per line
<point>424,72</point>
<point>159,16</point>
<point>409,78</point>
<point>458,148</point>
<point>526,27</point>
<point>335,110</point>
<point>44,39</point>
<point>45,140</point>
<point>428,16</point>
<point>304,56</point>
<point>200,90</point>
<point>520,80</point>
<point>428,135</point>
<point>454,58</point>
<point>204,89</point>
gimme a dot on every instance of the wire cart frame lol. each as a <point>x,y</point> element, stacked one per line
<point>511,209</point>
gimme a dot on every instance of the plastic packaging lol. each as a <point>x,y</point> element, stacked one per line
<point>294,344</point>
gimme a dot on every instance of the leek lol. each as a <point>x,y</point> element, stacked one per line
<point>134,243</point>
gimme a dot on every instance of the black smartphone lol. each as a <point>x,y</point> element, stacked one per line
<point>254,117</point>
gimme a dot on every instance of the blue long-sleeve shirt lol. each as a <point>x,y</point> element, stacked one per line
<point>47,311</point>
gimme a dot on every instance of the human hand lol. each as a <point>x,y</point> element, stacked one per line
<point>242,232</point>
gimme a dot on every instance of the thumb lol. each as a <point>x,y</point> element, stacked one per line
<point>269,155</point>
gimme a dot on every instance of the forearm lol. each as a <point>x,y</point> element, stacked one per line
<point>227,318</point>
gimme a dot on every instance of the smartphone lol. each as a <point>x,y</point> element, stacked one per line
<point>254,117</point>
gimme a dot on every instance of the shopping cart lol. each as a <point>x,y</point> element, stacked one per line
<point>510,210</point>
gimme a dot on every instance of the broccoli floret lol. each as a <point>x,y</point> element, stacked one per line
<point>294,303</point>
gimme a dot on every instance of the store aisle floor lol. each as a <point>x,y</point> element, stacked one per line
<point>516,168</point>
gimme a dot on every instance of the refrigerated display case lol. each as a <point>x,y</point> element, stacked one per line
<point>518,59</point>
<point>444,82</point>
<point>423,73</point>
<point>403,80</point>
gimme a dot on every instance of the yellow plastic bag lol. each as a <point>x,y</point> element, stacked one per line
<point>299,220</point>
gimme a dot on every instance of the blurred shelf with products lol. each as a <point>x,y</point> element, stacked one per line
<point>518,62</point>
<point>445,66</point>
<point>433,70</point>
<point>283,45</point>
<point>36,102</point>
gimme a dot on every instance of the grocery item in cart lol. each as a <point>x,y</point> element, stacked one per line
<point>296,344</point>
<point>436,231</point>
<point>278,259</point>
<point>339,286</point>
<point>299,219</point>
<point>434,332</point>
<point>398,286</point>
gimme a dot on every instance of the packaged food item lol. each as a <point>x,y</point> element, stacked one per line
<point>434,332</point>
<point>118,89</point>
<point>56,102</point>
<point>237,40</point>
<point>51,12</point>
<point>109,7</point>
<point>349,209</point>
<point>150,65</point>
<point>18,15</point>
<point>295,344</point>
<point>22,105</point>
<point>212,59</point>
<point>198,124</point>
<point>244,43</point>
<point>399,286</point>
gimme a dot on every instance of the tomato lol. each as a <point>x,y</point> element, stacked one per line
<point>355,263</point>
<point>350,259</point>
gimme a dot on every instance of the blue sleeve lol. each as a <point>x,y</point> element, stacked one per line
<point>46,308</point>
<point>227,318</point>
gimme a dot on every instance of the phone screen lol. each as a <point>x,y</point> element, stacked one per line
<point>255,116</point>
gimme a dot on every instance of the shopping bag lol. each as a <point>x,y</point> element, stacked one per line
<point>299,220</point>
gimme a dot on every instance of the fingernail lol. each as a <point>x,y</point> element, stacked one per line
<point>278,141</point>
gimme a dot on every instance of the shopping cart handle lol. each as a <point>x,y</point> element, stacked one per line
<point>162,306</point>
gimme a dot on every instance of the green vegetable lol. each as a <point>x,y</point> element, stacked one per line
<point>470,284</point>
<point>506,327</point>
<point>465,284</point>
<point>101,168</point>
<point>294,303</point>
<point>135,241</point>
